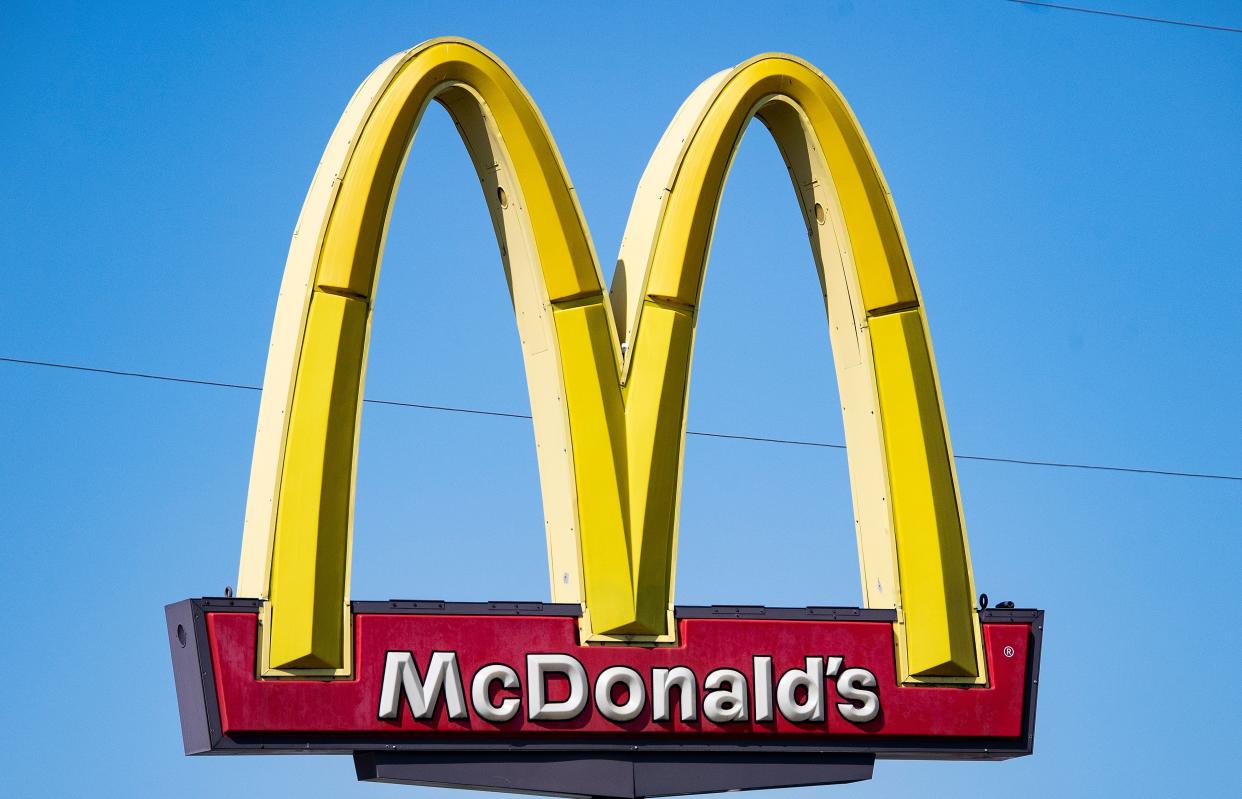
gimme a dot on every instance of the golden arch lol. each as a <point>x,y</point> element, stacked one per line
<point>609,410</point>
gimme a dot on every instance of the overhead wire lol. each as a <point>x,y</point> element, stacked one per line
<point>699,433</point>
<point>1121,15</point>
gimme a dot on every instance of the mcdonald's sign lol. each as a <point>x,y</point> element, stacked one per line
<point>609,689</point>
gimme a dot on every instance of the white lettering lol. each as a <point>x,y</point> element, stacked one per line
<point>538,667</point>
<point>401,677</point>
<point>480,688</point>
<point>634,701</point>
<point>725,705</point>
<point>763,688</point>
<point>811,680</point>
<point>622,693</point>
<point>851,686</point>
<point>662,683</point>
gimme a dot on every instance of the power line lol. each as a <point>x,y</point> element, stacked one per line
<point>699,433</point>
<point>1120,15</point>
<point>120,373</point>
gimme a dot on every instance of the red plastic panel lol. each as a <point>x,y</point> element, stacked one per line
<point>248,704</point>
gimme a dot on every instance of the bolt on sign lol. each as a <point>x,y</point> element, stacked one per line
<point>610,689</point>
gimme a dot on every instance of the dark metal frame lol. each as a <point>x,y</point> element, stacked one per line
<point>618,766</point>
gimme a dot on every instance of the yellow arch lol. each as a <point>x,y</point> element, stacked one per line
<point>609,419</point>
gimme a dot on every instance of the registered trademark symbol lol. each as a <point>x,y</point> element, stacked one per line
<point>1009,651</point>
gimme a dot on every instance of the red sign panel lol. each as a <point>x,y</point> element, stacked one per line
<point>421,675</point>
<point>483,676</point>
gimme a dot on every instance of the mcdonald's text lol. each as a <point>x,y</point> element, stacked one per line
<point>620,693</point>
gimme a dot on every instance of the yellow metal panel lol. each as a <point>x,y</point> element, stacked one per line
<point>596,423</point>
<point>292,307</point>
<point>937,599</point>
<point>628,288</point>
<point>355,239</point>
<point>356,231</point>
<point>884,273</point>
<point>655,405</point>
<point>556,476</point>
<point>839,186</point>
<point>547,253</point>
<point>312,522</point>
<point>879,254</point>
<point>507,206</point>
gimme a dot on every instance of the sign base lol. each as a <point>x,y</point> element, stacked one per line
<point>620,775</point>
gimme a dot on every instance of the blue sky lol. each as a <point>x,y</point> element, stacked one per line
<point>1070,187</point>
